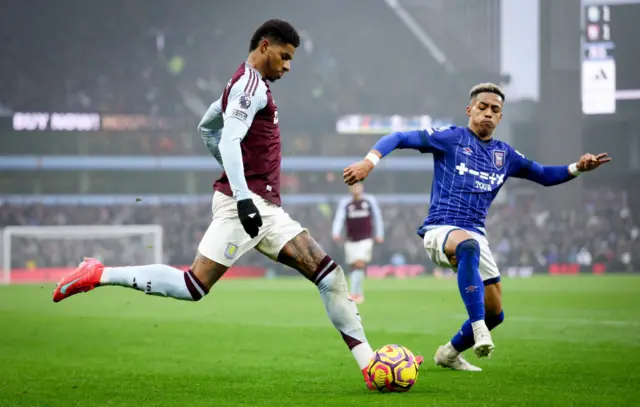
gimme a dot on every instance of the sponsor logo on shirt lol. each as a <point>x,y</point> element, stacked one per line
<point>239,114</point>
<point>494,180</point>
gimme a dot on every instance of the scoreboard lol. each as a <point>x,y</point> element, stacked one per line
<point>610,55</point>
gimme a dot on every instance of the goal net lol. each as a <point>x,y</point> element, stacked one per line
<point>33,254</point>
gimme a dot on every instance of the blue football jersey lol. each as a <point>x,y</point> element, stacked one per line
<point>468,174</point>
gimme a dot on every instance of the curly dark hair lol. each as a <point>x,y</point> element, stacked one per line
<point>277,30</point>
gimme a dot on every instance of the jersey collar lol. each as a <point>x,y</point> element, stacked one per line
<point>482,142</point>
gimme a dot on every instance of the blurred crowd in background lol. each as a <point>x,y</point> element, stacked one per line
<point>153,56</point>
<point>167,63</point>
<point>522,234</point>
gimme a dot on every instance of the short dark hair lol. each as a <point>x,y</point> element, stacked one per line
<point>486,88</point>
<point>275,29</point>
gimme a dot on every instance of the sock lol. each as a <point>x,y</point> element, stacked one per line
<point>469,280</point>
<point>463,339</point>
<point>156,279</point>
<point>343,313</point>
<point>357,280</point>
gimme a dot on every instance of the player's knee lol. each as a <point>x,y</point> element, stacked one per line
<point>453,239</point>
<point>469,246</point>
<point>493,320</point>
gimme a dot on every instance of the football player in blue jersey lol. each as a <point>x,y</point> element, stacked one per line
<point>470,167</point>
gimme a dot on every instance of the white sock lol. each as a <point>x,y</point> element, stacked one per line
<point>479,327</point>
<point>451,351</point>
<point>343,312</point>
<point>362,354</point>
<point>357,282</point>
<point>156,279</point>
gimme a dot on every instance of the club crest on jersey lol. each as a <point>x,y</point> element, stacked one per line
<point>467,151</point>
<point>245,101</point>
<point>498,158</point>
<point>230,251</point>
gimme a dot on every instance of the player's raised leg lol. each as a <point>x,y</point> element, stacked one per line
<point>215,255</point>
<point>153,279</point>
<point>463,249</point>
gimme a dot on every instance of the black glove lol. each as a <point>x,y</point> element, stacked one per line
<point>249,217</point>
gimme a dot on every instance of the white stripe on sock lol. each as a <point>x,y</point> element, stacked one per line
<point>321,273</point>
<point>195,284</point>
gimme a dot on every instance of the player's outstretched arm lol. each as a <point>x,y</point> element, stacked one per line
<point>426,141</point>
<point>554,175</point>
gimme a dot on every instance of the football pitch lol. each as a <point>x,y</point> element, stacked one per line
<point>566,341</point>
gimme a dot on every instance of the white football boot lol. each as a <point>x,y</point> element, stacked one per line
<point>447,356</point>
<point>483,346</point>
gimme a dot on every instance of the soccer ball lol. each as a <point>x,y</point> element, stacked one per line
<point>393,368</point>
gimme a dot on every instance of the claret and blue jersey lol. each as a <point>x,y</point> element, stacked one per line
<point>468,172</point>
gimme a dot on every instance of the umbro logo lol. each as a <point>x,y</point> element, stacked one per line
<point>252,215</point>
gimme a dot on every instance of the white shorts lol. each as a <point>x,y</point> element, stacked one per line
<point>358,251</point>
<point>225,241</point>
<point>435,239</point>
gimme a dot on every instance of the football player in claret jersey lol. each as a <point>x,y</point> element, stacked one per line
<point>470,167</point>
<point>242,132</point>
<point>361,217</point>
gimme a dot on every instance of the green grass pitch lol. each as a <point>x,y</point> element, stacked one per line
<point>566,341</point>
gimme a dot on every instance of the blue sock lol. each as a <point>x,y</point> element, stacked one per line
<point>469,280</point>
<point>463,339</point>
<point>493,320</point>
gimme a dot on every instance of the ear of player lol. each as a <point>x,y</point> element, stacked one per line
<point>249,217</point>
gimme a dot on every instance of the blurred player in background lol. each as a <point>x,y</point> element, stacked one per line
<point>470,168</point>
<point>242,132</point>
<point>362,219</point>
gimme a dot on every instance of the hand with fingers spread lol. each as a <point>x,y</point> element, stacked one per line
<point>589,162</point>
